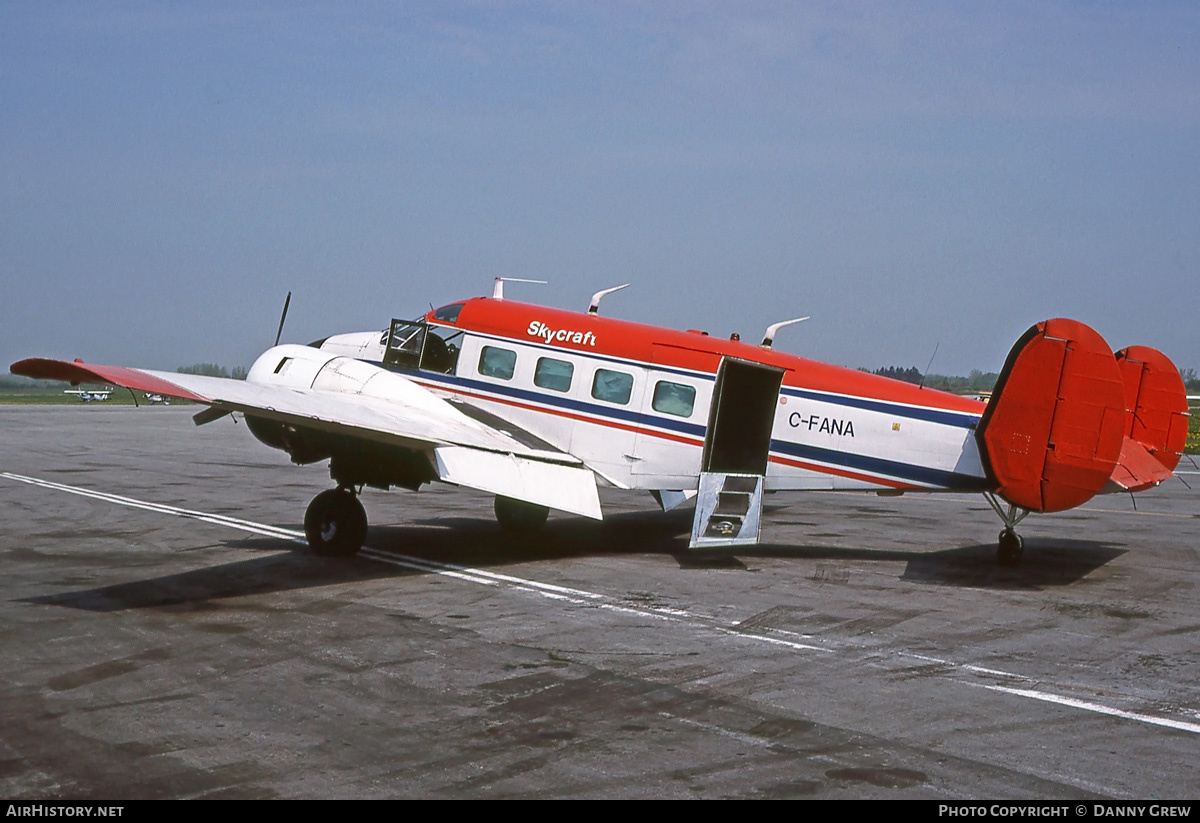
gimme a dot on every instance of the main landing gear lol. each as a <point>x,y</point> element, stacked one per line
<point>335,523</point>
<point>1010,546</point>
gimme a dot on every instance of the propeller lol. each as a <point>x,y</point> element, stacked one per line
<point>287,302</point>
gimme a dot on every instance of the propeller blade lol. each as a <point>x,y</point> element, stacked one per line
<point>287,302</point>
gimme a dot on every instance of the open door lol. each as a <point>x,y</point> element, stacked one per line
<point>737,445</point>
<point>414,344</point>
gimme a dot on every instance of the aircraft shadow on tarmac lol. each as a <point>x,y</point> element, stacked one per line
<point>1046,564</point>
<point>464,541</point>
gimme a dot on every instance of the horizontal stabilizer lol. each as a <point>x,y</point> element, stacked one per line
<point>557,486</point>
<point>1138,469</point>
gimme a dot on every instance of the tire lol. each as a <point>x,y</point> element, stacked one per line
<point>519,517</point>
<point>335,524</point>
<point>1010,548</point>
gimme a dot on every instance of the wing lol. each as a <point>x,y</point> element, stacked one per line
<point>315,390</point>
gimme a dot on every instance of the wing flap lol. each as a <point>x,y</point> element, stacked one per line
<point>565,488</point>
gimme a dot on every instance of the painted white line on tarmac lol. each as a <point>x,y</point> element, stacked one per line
<point>1099,708</point>
<point>594,599</point>
<point>579,597</point>
<point>471,575</point>
<point>160,508</point>
<point>1050,697</point>
<point>965,667</point>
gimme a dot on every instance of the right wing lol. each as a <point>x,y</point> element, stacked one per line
<point>308,388</point>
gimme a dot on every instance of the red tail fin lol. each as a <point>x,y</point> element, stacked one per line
<point>1155,402</point>
<point>1052,433</point>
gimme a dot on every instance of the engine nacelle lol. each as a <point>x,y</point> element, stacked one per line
<point>303,367</point>
<point>353,460</point>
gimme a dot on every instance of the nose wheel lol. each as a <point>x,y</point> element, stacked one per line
<point>335,523</point>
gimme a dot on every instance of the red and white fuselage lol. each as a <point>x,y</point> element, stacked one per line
<point>632,402</point>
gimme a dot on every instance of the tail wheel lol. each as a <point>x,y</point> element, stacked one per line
<point>1010,548</point>
<point>519,517</point>
<point>335,523</point>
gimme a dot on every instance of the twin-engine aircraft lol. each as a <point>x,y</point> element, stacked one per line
<point>539,406</point>
<point>89,395</point>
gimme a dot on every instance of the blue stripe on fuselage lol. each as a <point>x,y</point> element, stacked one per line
<point>878,465</point>
<point>962,420</point>
<point>840,459</point>
<point>547,399</point>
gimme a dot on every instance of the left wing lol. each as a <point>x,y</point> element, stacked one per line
<point>312,389</point>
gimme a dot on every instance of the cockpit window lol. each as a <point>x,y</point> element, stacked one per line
<point>448,314</point>
<point>404,344</point>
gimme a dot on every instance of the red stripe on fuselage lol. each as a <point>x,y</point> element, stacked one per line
<point>652,346</point>
<point>612,424</point>
<point>866,478</point>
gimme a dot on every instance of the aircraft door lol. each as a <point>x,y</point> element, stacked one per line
<point>737,446</point>
<point>741,416</point>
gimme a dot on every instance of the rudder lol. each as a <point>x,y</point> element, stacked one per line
<point>1155,402</point>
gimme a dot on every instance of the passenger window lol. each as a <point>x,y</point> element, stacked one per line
<point>612,386</point>
<point>674,398</point>
<point>498,363</point>
<point>553,374</point>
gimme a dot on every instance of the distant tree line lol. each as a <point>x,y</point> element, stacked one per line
<point>213,370</point>
<point>13,381</point>
<point>976,381</point>
<point>909,375</point>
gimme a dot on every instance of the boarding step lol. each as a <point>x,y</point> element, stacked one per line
<point>728,510</point>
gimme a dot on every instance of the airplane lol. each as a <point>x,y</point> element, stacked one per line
<point>539,406</point>
<point>89,395</point>
<point>157,398</point>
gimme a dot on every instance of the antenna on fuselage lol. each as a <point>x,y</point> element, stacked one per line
<point>594,307</point>
<point>773,329</point>
<point>929,365</point>
<point>498,288</point>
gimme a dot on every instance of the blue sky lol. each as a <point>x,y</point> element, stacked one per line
<point>908,174</point>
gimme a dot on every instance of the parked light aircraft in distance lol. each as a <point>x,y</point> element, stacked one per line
<point>539,405</point>
<point>89,395</point>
